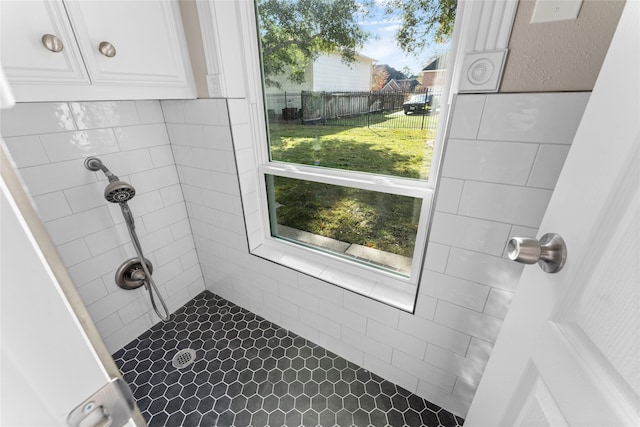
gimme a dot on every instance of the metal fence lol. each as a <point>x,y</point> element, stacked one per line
<point>370,109</point>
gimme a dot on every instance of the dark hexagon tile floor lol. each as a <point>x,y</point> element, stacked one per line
<point>251,372</point>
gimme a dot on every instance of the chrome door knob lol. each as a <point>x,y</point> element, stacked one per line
<point>550,252</point>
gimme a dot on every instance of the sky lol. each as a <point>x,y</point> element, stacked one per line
<point>385,50</point>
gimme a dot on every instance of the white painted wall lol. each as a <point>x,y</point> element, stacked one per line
<point>331,74</point>
<point>49,142</point>
<point>287,85</point>
<point>326,73</point>
<point>562,55</point>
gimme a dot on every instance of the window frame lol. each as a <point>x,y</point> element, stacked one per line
<point>364,181</point>
<point>382,285</point>
<point>232,72</point>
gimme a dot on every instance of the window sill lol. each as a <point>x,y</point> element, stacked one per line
<point>379,285</point>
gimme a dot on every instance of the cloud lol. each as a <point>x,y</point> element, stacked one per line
<point>384,48</point>
<point>390,28</point>
<point>379,51</point>
<point>380,21</point>
<point>385,51</point>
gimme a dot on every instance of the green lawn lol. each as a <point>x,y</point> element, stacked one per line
<point>397,152</point>
<point>368,218</point>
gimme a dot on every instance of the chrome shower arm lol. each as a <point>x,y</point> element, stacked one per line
<point>95,164</point>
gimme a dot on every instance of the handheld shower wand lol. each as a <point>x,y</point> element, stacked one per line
<point>129,276</point>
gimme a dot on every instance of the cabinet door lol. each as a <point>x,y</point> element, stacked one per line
<point>147,37</point>
<point>24,57</point>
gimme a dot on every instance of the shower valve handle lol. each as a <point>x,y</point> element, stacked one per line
<point>138,275</point>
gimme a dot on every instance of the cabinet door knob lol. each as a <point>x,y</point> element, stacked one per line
<point>52,43</point>
<point>107,49</point>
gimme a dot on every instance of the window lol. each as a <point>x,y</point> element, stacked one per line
<point>350,159</point>
<point>376,228</point>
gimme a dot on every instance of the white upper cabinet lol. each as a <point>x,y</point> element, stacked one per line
<point>110,50</point>
<point>25,59</point>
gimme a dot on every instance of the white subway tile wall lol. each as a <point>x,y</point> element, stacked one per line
<point>498,174</point>
<point>545,118</point>
<point>49,142</point>
<point>505,155</point>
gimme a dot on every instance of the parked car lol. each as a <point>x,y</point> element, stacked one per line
<point>421,104</point>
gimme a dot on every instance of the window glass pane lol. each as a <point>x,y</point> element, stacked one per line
<point>372,227</point>
<point>383,142</point>
<point>340,93</point>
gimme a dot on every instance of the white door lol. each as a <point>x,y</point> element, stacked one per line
<point>48,365</point>
<point>569,350</point>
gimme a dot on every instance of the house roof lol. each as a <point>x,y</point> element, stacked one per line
<point>391,85</point>
<point>440,63</point>
<point>400,85</point>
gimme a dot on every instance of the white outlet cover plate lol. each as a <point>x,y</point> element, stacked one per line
<point>555,10</point>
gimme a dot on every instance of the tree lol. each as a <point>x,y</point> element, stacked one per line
<point>294,32</point>
<point>407,72</point>
<point>422,21</point>
<point>395,74</point>
<point>382,74</point>
<point>379,77</point>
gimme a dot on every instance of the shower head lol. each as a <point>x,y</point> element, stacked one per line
<point>119,192</point>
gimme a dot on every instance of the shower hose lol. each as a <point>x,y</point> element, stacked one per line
<point>149,284</point>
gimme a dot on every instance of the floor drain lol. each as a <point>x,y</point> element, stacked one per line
<point>183,358</point>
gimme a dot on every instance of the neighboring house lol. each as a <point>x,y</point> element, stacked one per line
<point>328,73</point>
<point>391,86</point>
<point>433,74</point>
<point>402,85</point>
<point>408,85</point>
